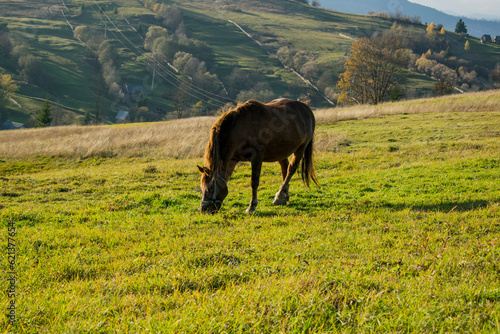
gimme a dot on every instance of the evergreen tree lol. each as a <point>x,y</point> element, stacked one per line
<point>44,118</point>
<point>461,27</point>
<point>87,119</point>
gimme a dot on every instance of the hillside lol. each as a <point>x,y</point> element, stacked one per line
<point>214,54</point>
<point>475,27</point>
<point>402,237</point>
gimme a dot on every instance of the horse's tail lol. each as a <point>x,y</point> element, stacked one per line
<point>307,165</point>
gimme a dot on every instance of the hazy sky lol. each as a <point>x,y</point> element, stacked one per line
<point>473,9</point>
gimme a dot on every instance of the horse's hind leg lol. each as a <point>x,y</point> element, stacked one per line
<point>282,196</point>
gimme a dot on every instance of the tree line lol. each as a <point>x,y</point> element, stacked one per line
<point>378,67</point>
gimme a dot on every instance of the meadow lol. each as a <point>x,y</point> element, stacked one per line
<point>402,236</point>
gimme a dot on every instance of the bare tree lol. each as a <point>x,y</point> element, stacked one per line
<point>180,100</point>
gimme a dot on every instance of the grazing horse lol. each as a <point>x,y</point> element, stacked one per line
<point>257,132</point>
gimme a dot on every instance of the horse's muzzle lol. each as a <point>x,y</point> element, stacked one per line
<point>210,206</point>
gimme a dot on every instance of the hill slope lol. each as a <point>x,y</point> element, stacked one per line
<point>475,27</point>
<point>228,52</point>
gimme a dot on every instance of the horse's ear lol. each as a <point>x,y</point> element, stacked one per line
<point>203,170</point>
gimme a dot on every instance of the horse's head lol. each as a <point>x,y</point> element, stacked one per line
<point>214,190</point>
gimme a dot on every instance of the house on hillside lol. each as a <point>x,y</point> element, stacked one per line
<point>8,125</point>
<point>486,39</point>
<point>496,39</point>
<point>122,117</point>
<point>132,92</point>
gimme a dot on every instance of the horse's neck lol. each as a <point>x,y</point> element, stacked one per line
<point>225,165</point>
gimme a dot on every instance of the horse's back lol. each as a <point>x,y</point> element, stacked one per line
<point>294,106</point>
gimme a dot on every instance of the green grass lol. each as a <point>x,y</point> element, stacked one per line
<point>402,236</point>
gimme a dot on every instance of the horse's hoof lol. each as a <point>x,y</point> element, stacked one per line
<point>250,210</point>
<point>280,201</point>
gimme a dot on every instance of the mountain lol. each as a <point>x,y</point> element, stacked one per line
<point>475,27</point>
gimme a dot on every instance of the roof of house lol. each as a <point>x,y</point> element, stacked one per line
<point>122,115</point>
<point>133,89</point>
<point>8,125</point>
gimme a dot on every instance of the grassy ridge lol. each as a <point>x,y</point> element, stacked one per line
<point>187,137</point>
<point>401,237</point>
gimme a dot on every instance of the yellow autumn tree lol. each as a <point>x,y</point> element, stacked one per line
<point>374,69</point>
<point>430,28</point>
<point>442,32</point>
<point>7,88</point>
<point>467,46</point>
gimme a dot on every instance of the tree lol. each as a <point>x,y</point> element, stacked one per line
<point>373,70</point>
<point>44,118</point>
<point>140,28</point>
<point>467,46</point>
<point>5,42</point>
<point>442,31</point>
<point>87,119</point>
<point>443,87</point>
<point>180,99</point>
<point>32,68</point>
<point>495,74</point>
<point>7,88</point>
<point>461,28</point>
<point>430,28</point>
<point>153,33</point>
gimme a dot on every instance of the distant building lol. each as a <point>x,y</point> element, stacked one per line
<point>132,92</point>
<point>8,125</point>
<point>496,39</point>
<point>486,39</point>
<point>122,117</point>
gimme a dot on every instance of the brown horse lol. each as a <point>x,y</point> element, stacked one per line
<point>257,132</point>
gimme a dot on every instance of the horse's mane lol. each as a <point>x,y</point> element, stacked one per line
<point>220,132</point>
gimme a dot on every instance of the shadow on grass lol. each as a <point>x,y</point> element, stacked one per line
<point>302,207</point>
<point>445,206</point>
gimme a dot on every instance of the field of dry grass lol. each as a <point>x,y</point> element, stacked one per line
<point>470,102</point>
<point>182,138</point>
<point>186,138</point>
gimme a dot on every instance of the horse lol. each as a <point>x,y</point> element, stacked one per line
<point>258,132</point>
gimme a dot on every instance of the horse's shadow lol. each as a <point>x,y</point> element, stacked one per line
<point>449,206</point>
<point>299,208</point>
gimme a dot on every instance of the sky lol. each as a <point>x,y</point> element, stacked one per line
<point>483,9</point>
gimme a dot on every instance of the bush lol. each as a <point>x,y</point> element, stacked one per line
<point>31,68</point>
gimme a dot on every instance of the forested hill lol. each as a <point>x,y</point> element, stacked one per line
<point>159,59</point>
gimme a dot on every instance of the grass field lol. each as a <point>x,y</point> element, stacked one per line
<point>402,236</point>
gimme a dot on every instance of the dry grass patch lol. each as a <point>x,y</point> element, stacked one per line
<point>182,138</point>
<point>186,138</point>
<point>470,102</point>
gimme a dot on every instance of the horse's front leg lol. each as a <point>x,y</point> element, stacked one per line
<point>256,168</point>
<point>282,196</point>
